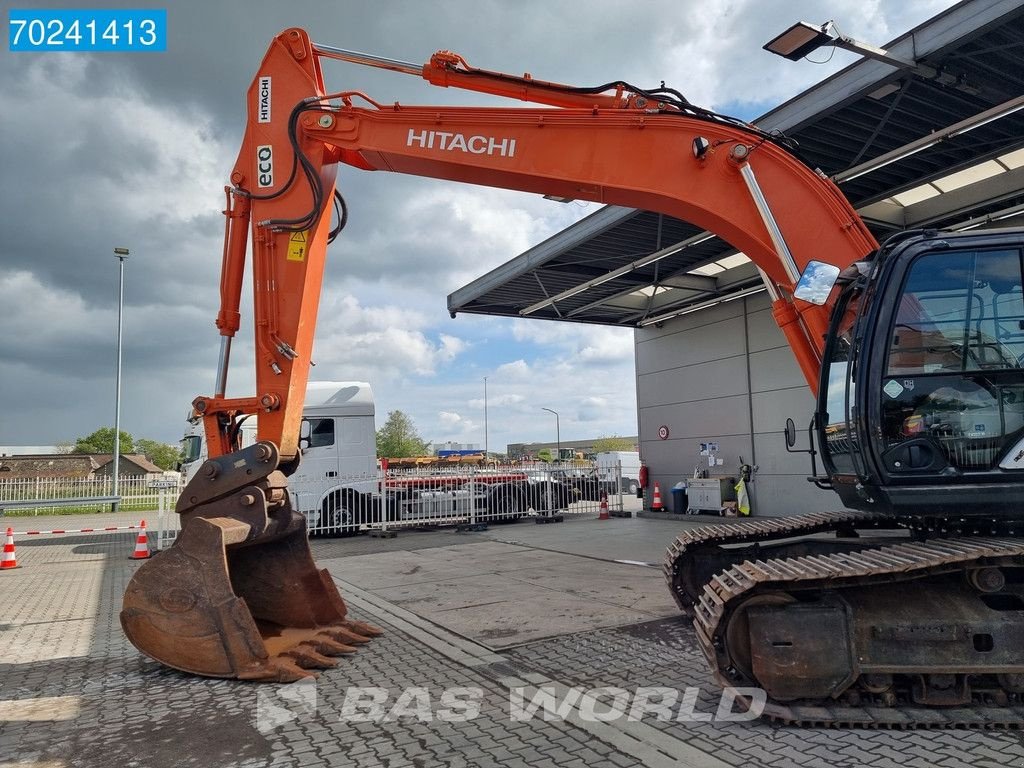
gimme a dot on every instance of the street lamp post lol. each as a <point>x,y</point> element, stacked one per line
<point>485,419</point>
<point>121,254</point>
<point>558,434</point>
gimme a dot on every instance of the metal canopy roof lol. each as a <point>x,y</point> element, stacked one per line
<point>941,145</point>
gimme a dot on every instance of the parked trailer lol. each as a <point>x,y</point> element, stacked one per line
<point>503,494</point>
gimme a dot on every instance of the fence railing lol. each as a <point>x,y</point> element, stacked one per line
<point>471,496</point>
<point>74,494</point>
<point>464,496</point>
<point>387,501</point>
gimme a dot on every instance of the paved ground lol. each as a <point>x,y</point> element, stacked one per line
<point>504,595</point>
<point>75,693</point>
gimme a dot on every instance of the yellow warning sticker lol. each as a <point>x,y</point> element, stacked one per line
<point>297,246</point>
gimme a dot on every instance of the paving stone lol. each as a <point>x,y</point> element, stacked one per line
<point>619,760</point>
<point>62,647</point>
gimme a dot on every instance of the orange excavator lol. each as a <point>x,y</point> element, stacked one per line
<point>906,608</point>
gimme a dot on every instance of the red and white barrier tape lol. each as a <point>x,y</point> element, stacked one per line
<point>80,530</point>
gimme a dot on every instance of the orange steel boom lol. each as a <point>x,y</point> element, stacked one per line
<point>616,148</point>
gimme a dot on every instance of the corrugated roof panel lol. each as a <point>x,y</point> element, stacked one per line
<point>973,68</point>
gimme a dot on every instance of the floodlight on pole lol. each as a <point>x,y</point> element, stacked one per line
<point>799,40</point>
<point>803,38</point>
<point>121,254</point>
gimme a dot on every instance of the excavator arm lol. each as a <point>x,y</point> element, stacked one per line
<point>618,148</point>
<point>238,594</point>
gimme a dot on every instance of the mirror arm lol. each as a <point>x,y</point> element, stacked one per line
<point>810,440</point>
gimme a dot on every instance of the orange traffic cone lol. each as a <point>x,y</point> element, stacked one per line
<point>9,560</point>
<point>141,545</point>
<point>604,508</point>
<point>657,506</point>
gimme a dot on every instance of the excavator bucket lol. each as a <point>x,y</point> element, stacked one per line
<point>238,594</point>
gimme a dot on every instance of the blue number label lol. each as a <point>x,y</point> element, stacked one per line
<point>87,30</point>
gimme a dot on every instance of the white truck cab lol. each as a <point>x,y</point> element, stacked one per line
<point>336,484</point>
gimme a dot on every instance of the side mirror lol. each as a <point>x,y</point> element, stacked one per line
<point>816,282</point>
<point>305,430</point>
<point>790,433</point>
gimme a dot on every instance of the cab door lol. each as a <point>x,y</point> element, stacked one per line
<point>319,468</point>
<point>936,385</point>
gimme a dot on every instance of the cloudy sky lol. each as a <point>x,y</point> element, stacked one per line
<point>133,150</point>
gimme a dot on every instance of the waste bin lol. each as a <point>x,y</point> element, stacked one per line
<point>679,498</point>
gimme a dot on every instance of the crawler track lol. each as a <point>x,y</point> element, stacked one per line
<point>844,573</point>
<point>699,542</point>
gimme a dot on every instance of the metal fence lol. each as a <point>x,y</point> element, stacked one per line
<point>464,497</point>
<point>45,495</point>
<point>473,497</point>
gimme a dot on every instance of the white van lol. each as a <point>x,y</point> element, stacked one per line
<point>609,463</point>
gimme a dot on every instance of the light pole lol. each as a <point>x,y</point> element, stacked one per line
<point>558,434</point>
<point>121,254</point>
<point>485,419</point>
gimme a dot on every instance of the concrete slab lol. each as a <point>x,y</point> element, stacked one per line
<point>621,585</point>
<point>383,570</point>
<point>541,615</point>
<point>504,595</point>
<point>615,539</point>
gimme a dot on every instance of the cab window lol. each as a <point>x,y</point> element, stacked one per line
<point>191,448</point>
<point>321,433</point>
<point>840,389</point>
<point>960,311</point>
<point>956,349</point>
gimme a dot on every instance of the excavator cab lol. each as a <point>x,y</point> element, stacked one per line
<point>921,402</point>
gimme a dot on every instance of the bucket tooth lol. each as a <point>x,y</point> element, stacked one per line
<point>276,670</point>
<point>364,629</point>
<point>308,658</point>
<point>346,636</point>
<point>331,647</point>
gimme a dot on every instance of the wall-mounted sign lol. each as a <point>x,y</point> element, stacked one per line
<point>663,432</point>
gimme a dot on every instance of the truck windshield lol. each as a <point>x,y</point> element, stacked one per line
<point>191,448</point>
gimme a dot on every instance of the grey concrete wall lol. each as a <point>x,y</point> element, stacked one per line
<point>726,375</point>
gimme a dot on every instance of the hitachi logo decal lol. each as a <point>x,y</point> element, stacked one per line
<point>456,142</point>
<point>263,100</point>
<point>265,165</point>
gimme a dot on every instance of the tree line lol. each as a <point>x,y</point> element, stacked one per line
<point>397,438</point>
<point>164,455</point>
